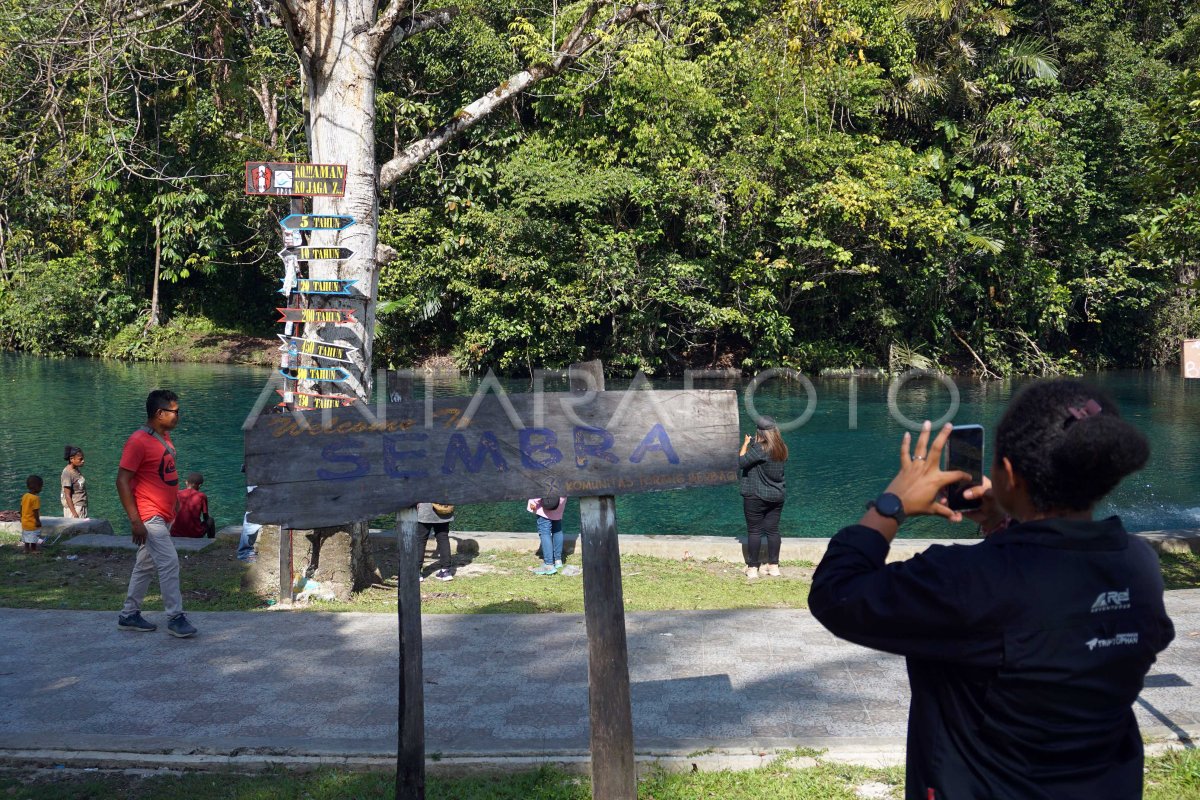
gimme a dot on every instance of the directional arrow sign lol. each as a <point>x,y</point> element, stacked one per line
<point>316,222</point>
<point>307,400</point>
<point>339,315</point>
<point>295,180</point>
<point>318,253</point>
<point>319,286</point>
<point>316,349</point>
<point>324,374</point>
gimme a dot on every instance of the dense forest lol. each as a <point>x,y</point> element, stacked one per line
<point>1002,187</point>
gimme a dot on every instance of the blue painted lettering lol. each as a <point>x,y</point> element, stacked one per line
<point>393,456</point>
<point>331,455</point>
<point>656,439</point>
<point>457,450</point>
<point>595,442</point>
<point>541,454</point>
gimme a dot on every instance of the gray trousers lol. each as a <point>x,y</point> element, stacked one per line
<point>156,555</point>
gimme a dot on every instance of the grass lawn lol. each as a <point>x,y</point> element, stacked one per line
<point>1175,776</point>
<point>97,579</point>
<point>503,583</point>
<point>1181,571</point>
<point>487,583</point>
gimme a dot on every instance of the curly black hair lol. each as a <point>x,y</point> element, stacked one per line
<point>1068,441</point>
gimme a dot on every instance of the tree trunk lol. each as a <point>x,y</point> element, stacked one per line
<point>153,321</point>
<point>341,77</point>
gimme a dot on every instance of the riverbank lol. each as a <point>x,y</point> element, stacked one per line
<point>189,339</point>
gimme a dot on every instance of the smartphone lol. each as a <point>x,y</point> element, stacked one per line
<point>964,451</point>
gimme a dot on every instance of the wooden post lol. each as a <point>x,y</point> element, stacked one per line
<point>614,773</point>
<point>410,745</point>
<point>285,566</point>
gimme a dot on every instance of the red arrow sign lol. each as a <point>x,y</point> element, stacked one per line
<point>308,400</point>
<point>317,315</point>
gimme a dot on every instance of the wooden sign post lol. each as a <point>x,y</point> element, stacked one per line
<point>354,464</point>
<point>610,709</point>
<point>410,744</point>
<point>269,178</point>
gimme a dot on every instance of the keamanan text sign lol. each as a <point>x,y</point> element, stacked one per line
<point>295,180</point>
<point>360,462</point>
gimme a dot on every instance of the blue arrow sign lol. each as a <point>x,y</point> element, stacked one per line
<point>316,222</point>
<point>319,286</point>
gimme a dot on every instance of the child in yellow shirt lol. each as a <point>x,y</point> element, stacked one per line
<point>31,516</point>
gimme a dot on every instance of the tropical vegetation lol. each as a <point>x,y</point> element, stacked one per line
<point>1001,186</point>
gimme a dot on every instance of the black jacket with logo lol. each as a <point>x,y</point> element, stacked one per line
<point>1025,654</point>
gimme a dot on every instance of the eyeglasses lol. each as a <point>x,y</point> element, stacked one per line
<point>170,410</point>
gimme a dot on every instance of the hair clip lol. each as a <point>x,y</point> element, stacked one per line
<point>1089,409</point>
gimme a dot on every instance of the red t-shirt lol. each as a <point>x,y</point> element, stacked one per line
<point>155,481</point>
<point>192,503</point>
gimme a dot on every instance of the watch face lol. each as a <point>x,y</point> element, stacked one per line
<point>888,505</point>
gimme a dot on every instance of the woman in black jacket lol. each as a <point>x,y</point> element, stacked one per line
<point>760,465</point>
<point>1025,651</point>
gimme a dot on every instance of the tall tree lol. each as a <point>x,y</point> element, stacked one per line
<point>342,46</point>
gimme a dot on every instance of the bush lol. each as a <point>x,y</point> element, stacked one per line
<point>64,307</point>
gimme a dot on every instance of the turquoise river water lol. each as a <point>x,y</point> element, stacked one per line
<point>841,457</point>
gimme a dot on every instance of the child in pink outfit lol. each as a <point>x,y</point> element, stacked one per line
<point>549,511</point>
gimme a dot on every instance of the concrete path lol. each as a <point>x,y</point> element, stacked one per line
<point>322,686</point>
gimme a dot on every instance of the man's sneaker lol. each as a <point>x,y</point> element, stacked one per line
<point>545,569</point>
<point>772,570</point>
<point>557,564</point>
<point>135,622</point>
<point>444,575</point>
<point>751,572</point>
<point>180,627</point>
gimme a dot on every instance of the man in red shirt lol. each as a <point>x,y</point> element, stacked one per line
<point>148,485</point>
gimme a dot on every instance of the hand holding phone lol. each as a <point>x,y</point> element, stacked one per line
<point>964,451</point>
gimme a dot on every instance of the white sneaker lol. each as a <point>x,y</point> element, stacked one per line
<point>751,572</point>
<point>558,564</point>
<point>773,570</point>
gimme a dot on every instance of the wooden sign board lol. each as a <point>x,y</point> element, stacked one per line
<point>295,180</point>
<point>316,222</point>
<point>316,315</point>
<point>319,286</point>
<point>1189,364</point>
<point>316,253</point>
<point>355,465</point>
<point>316,348</point>
<point>323,374</point>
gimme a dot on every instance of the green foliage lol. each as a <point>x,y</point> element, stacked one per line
<point>745,183</point>
<point>66,306</point>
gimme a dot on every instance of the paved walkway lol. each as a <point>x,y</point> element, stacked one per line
<point>324,685</point>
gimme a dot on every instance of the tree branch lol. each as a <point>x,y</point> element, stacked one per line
<point>261,145</point>
<point>387,21</point>
<point>987,373</point>
<point>574,46</point>
<point>142,13</point>
<point>417,23</point>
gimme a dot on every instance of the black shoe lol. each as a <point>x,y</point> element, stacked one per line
<point>135,622</point>
<point>180,627</point>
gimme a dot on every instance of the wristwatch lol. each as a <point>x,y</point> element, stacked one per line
<point>888,505</point>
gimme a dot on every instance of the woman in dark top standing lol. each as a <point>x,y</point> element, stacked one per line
<point>1027,650</point>
<point>760,463</point>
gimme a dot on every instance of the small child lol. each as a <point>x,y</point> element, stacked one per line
<point>31,514</point>
<point>192,519</point>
